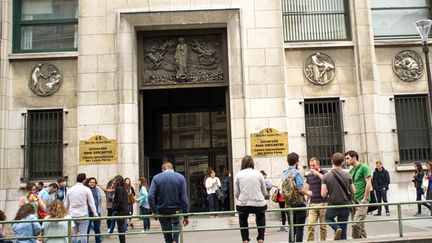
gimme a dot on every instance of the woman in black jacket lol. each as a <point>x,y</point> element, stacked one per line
<point>120,205</point>
<point>418,179</point>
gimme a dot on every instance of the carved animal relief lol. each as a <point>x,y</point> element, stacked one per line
<point>408,65</point>
<point>189,59</point>
<point>45,79</point>
<point>319,69</point>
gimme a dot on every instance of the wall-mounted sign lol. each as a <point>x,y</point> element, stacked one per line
<point>98,150</point>
<point>269,142</point>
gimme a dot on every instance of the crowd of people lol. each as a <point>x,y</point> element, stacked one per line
<point>167,196</point>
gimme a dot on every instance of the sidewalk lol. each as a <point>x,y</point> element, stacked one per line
<point>221,230</point>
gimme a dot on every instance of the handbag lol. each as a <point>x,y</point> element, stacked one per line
<point>373,199</point>
<point>131,198</point>
<point>220,194</point>
<point>41,213</point>
<point>275,196</point>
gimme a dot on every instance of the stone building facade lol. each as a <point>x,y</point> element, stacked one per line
<point>264,85</point>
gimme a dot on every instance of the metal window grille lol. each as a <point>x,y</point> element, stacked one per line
<point>324,133</point>
<point>314,20</point>
<point>44,144</point>
<point>413,128</point>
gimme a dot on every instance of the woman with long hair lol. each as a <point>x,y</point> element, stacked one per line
<point>3,232</point>
<point>56,210</point>
<point>144,203</point>
<point>212,183</point>
<point>32,197</point>
<point>120,205</point>
<point>109,195</point>
<point>418,179</point>
<point>32,229</point>
<point>91,182</point>
<point>131,198</point>
<point>428,176</point>
<point>250,191</point>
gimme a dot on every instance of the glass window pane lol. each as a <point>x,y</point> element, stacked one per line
<point>190,130</point>
<point>49,37</point>
<point>49,9</point>
<point>399,3</point>
<point>219,126</point>
<point>397,22</point>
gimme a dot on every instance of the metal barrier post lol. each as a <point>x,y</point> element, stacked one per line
<point>399,209</point>
<point>291,234</point>
<point>181,229</point>
<point>69,231</point>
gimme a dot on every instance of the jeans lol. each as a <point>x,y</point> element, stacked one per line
<point>112,224</point>
<point>419,198</point>
<point>299,218</point>
<point>358,229</point>
<point>313,217</point>
<point>283,214</point>
<point>342,215</point>
<point>110,212</point>
<point>381,195</point>
<point>260,220</point>
<point>146,221</point>
<point>95,226</point>
<point>81,227</point>
<point>170,224</point>
<point>213,202</point>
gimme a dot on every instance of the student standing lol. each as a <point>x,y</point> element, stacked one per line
<point>31,229</point>
<point>212,183</point>
<point>56,210</point>
<point>143,203</point>
<point>380,184</point>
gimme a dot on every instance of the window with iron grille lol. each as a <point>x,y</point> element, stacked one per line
<point>315,20</point>
<point>324,132</point>
<point>45,25</point>
<point>44,144</point>
<point>395,19</point>
<point>413,128</point>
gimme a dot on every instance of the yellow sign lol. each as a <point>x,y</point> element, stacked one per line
<point>98,150</point>
<point>269,142</point>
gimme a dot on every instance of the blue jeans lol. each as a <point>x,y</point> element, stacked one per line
<point>112,224</point>
<point>342,215</point>
<point>299,218</point>
<point>170,224</point>
<point>146,221</point>
<point>213,202</point>
<point>95,226</point>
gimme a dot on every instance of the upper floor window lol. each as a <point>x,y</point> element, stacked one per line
<point>324,130</point>
<point>413,128</point>
<point>396,19</point>
<point>45,25</point>
<point>315,20</point>
<point>44,144</point>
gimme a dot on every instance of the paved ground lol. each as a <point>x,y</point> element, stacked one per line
<point>221,233</point>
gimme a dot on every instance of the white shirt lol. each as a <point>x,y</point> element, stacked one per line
<point>211,186</point>
<point>250,188</point>
<point>78,199</point>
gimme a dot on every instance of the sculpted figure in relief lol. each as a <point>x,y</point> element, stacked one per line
<point>181,61</point>
<point>45,79</point>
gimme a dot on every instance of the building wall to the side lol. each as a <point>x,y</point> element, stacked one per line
<point>266,84</point>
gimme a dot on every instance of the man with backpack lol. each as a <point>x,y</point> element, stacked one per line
<point>361,175</point>
<point>293,191</point>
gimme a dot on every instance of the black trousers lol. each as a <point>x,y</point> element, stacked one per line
<point>244,212</point>
<point>283,214</point>
<point>299,218</point>
<point>382,197</point>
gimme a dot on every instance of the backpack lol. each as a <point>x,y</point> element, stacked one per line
<point>290,191</point>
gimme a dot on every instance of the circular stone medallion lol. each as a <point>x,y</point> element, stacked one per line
<point>408,65</point>
<point>319,69</point>
<point>45,79</point>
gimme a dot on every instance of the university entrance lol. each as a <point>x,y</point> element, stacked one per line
<point>189,128</point>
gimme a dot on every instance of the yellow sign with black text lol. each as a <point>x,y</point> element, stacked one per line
<point>269,142</point>
<point>98,150</point>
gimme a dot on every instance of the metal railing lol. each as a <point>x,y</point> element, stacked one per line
<point>181,231</point>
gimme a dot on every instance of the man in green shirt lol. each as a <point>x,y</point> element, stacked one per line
<point>361,175</point>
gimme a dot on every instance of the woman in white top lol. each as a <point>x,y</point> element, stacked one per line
<point>250,191</point>
<point>212,183</point>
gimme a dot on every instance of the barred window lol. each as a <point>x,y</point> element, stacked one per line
<point>315,20</point>
<point>45,25</point>
<point>413,128</point>
<point>44,144</point>
<point>392,19</point>
<point>324,133</point>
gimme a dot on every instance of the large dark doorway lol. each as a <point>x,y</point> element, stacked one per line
<point>189,128</point>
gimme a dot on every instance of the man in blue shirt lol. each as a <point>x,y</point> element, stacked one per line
<point>45,193</point>
<point>168,196</point>
<point>61,192</point>
<point>299,216</point>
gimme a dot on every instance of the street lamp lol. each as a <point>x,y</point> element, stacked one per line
<point>423,26</point>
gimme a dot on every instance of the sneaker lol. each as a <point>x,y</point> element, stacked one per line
<point>378,214</point>
<point>338,234</point>
<point>282,229</point>
<point>417,214</point>
<point>387,213</point>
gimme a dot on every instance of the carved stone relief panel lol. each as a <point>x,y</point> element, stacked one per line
<point>319,68</point>
<point>408,65</point>
<point>45,79</point>
<point>182,59</point>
